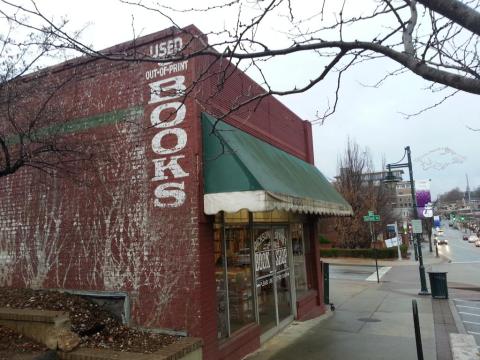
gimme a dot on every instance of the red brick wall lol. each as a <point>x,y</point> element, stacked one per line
<point>225,87</point>
<point>101,228</point>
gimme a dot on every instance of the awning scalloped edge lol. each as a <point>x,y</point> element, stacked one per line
<point>261,200</point>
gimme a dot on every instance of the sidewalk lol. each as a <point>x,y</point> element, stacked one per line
<point>371,321</point>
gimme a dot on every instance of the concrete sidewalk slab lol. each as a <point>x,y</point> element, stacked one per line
<point>372,321</point>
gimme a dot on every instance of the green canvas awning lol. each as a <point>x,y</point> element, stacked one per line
<point>243,172</point>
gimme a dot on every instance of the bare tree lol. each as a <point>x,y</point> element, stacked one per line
<point>452,196</point>
<point>31,117</point>
<point>363,193</point>
<point>434,39</point>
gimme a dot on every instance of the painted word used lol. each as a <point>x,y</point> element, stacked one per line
<point>166,48</point>
<point>165,93</point>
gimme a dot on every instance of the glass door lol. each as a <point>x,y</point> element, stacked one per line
<point>282,273</point>
<point>264,273</point>
<point>272,276</point>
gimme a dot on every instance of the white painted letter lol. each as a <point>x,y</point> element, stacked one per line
<point>172,165</point>
<point>178,109</point>
<point>173,191</point>
<point>179,133</point>
<point>175,90</point>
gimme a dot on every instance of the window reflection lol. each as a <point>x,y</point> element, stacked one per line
<point>222,316</point>
<point>234,277</point>
<point>298,248</point>
<point>239,273</point>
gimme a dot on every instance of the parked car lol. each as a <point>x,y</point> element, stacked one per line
<point>472,238</point>
<point>442,241</point>
<point>440,231</point>
<point>465,237</point>
<point>477,243</point>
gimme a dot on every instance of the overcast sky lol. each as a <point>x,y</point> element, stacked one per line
<point>370,116</point>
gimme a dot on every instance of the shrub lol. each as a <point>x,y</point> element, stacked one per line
<point>323,240</point>
<point>365,253</point>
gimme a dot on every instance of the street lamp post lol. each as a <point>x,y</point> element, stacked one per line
<point>391,178</point>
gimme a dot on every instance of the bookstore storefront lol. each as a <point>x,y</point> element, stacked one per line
<point>260,269</point>
<point>266,204</point>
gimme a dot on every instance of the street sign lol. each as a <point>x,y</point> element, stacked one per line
<point>417,226</point>
<point>371,218</point>
<point>392,242</point>
<point>428,210</point>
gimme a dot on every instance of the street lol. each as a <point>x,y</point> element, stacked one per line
<point>458,250</point>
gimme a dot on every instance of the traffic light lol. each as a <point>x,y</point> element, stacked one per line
<point>462,218</point>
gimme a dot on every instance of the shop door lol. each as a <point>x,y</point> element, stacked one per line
<point>272,276</point>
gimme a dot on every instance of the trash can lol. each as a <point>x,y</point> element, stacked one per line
<point>438,285</point>
<point>326,283</point>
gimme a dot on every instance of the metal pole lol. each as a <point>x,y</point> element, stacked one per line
<point>414,243</point>
<point>398,242</point>
<point>421,268</point>
<point>418,335</point>
<point>374,250</point>
<point>430,229</point>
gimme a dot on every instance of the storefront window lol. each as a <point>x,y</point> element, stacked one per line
<point>253,268</point>
<point>239,273</point>
<point>298,247</point>
<point>233,267</point>
<point>221,286</point>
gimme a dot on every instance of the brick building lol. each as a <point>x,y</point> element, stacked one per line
<point>198,226</point>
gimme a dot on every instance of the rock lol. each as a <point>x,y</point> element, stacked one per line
<point>61,338</point>
<point>67,340</point>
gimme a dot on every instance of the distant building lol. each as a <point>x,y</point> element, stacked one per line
<point>402,204</point>
<point>402,199</point>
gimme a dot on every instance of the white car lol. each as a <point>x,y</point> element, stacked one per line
<point>472,238</point>
<point>477,243</point>
<point>442,241</point>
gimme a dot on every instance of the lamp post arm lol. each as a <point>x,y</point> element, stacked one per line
<point>412,184</point>
<point>397,166</point>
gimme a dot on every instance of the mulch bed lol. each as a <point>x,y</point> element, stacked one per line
<point>97,327</point>
<point>12,341</point>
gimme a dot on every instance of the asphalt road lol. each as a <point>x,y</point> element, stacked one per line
<point>469,312</point>
<point>458,250</point>
<point>463,272</point>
